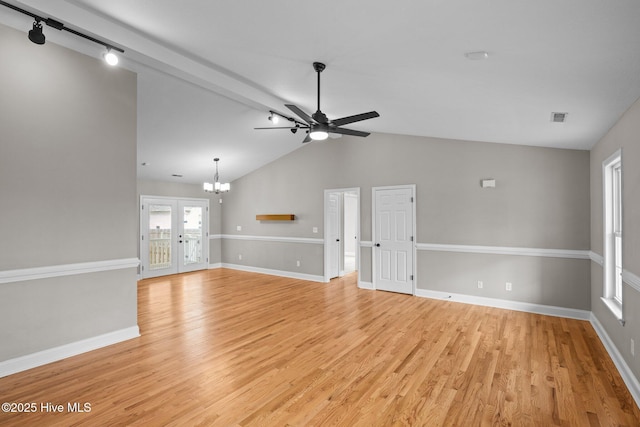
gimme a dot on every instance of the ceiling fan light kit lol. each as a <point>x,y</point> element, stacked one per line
<point>318,126</point>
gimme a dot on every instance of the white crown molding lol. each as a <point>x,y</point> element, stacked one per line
<point>309,240</point>
<point>40,358</point>
<point>548,310</point>
<point>19,275</point>
<point>625,371</point>
<point>505,250</point>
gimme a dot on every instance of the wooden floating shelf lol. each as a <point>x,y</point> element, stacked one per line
<point>276,217</point>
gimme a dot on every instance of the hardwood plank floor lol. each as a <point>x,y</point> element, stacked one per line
<point>229,348</point>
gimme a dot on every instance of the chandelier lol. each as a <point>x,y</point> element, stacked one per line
<point>217,187</point>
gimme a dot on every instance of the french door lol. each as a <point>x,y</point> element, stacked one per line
<point>393,234</point>
<point>174,235</point>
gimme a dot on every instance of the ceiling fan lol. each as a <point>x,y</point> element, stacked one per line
<point>318,126</point>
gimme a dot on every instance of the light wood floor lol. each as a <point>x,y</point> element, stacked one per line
<point>227,348</point>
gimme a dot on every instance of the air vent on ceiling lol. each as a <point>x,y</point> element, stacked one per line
<point>558,117</point>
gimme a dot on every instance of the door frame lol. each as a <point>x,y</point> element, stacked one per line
<point>374,221</point>
<point>355,190</point>
<point>143,231</point>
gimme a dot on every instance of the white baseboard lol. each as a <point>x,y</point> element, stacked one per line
<point>548,310</point>
<point>215,265</point>
<point>281,273</point>
<point>44,357</point>
<point>365,285</point>
<point>625,371</point>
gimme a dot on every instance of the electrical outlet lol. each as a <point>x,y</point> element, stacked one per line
<point>633,347</point>
<point>238,228</point>
<point>240,257</point>
<point>480,284</point>
<point>298,263</point>
<point>314,229</point>
<point>508,286</point>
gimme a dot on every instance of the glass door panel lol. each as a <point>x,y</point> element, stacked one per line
<point>158,244</point>
<point>160,219</point>
<point>192,237</point>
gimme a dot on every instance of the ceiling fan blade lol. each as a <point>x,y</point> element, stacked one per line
<point>352,119</point>
<point>304,116</point>
<point>344,131</point>
<point>306,139</point>
<point>280,127</point>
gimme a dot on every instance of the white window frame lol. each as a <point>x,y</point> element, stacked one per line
<point>612,238</point>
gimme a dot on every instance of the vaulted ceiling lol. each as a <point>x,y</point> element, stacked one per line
<point>209,71</point>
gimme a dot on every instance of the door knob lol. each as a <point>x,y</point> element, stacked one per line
<point>337,240</point>
<point>377,245</point>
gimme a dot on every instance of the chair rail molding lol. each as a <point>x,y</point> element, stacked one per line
<point>34,273</point>
<point>505,250</point>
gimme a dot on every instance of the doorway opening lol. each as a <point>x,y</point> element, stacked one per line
<point>341,232</point>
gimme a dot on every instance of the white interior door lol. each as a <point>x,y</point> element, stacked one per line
<point>174,235</point>
<point>393,239</point>
<point>333,232</point>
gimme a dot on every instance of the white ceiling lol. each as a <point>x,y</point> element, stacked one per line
<point>209,71</point>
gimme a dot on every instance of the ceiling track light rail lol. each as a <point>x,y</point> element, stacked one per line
<point>274,118</point>
<point>296,124</point>
<point>37,37</point>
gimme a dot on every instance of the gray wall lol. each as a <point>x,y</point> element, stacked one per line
<point>67,193</point>
<point>626,135</point>
<point>541,201</point>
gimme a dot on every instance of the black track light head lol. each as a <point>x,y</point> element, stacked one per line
<point>35,34</point>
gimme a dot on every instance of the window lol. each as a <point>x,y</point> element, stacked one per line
<point>612,180</point>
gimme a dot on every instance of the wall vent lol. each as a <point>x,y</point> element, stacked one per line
<point>558,117</point>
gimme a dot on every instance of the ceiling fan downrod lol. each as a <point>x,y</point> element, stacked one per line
<point>319,116</point>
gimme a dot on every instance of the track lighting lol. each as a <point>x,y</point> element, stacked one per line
<point>110,57</point>
<point>37,36</point>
